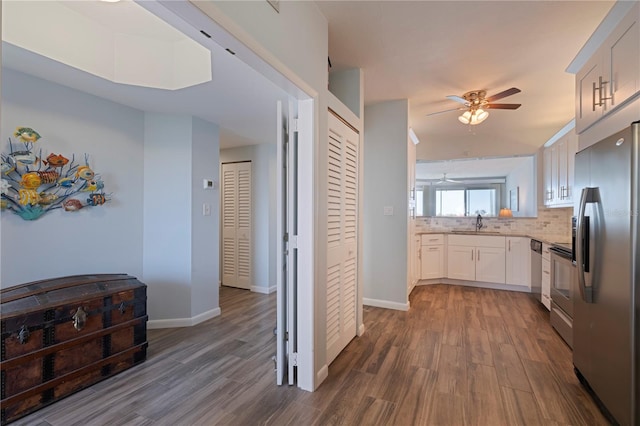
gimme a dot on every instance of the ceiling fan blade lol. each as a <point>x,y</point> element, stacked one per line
<point>458,99</point>
<point>446,110</point>
<point>502,106</point>
<point>503,94</point>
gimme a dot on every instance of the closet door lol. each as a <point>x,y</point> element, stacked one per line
<point>236,224</point>
<point>342,233</point>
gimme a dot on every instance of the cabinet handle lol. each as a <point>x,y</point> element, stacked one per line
<point>433,248</point>
<point>433,239</point>
<point>599,89</point>
<point>546,272</point>
<point>509,245</point>
<point>472,254</point>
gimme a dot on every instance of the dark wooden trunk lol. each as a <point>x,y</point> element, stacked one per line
<point>62,335</point>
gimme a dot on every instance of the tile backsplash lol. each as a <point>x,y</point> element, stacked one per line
<point>550,222</point>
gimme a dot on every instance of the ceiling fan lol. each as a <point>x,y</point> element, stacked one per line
<point>444,179</point>
<point>476,103</point>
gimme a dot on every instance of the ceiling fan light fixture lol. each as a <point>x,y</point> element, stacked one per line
<point>473,117</point>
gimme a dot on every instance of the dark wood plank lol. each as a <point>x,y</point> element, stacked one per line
<point>460,356</point>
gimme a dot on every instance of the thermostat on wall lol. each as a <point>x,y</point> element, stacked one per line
<point>209,184</point>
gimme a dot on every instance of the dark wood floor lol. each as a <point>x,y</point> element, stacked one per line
<point>460,356</point>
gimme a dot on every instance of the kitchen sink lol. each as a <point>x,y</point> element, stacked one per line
<point>471,232</point>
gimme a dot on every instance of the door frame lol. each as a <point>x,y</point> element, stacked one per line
<point>207,17</point>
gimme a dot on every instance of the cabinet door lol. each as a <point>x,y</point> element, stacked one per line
<point>555,174</point>
<point>572,148</point>
<point>490,265</point>
<point>621,60</point>
<point>432,262</point>
<point>586,110</point>
<point>518,262</point>
<point>461,263</point>
<point>546,284</point>
<point>547,181</point>
<point>561,164</point>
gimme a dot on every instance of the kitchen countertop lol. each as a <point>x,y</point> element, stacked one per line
<point>548,239</point>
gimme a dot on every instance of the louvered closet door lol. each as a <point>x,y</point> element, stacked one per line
<point>342,233</point>
<point>236,224</point>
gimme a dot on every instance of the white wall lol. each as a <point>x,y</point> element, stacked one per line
<point>180,258</point>
<point>523,179</point>
<point>205,232</point>
<point>385,256</point>
<point>347,85</point>
<point>167,215</point>
<point>93,240</point>
<point>263,161</point>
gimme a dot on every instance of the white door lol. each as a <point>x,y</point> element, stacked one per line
<point>286,246</point>
<point>236,224</point>
<point>342,235</point>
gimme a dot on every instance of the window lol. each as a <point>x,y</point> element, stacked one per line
<point>466,202</point>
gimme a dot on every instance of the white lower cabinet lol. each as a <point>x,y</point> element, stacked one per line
<point>461,263</point>
<point>432,256</point>
<point>518,261</point>
<point>476,258</point>
<point>490,264</point>
<point>546,277</point>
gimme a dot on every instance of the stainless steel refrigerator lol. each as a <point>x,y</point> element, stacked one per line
<point>606,322</point>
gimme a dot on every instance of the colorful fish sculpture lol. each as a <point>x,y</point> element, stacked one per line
<point>49,176</point>
<point>27,134</point>
<point>47,198</point>
<point>84,172</point>
<point>31,180</point>
<point>28,196</point>
<point>23,157</point>
<point>72,205</point>
<point>93,186</point>
<point>96,199</point>
<point>66,182</point>
<point>55,160</point>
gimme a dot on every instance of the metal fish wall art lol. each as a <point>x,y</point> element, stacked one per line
<point>31,186</point>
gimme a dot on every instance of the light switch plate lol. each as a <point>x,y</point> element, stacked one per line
<point>388,210</point>
<point>206,209</point>
<point>209,184</point>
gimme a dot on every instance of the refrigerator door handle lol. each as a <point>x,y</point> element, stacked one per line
<point>589,195</point>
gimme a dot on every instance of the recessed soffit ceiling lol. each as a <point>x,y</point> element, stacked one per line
<point>470,167</point>
<point>121,42</point>
<point>426,50</point>
<point>237,98</point>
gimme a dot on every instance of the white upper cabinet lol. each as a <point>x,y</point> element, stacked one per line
<point>558,166</point>
<point>612,75</point>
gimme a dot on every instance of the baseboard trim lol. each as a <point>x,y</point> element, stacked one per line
<point>183,322</point>
<point>479,284</point>
<point>264,290</point>
<point>386,304</point>
<point>321,375</point>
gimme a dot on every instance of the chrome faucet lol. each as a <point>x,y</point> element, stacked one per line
<point>479,224</point>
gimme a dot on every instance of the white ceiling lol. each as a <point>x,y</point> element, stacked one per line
<point>240,100</point>
<point>426,50</point>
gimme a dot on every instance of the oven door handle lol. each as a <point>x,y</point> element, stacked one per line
<point>589,195</point>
